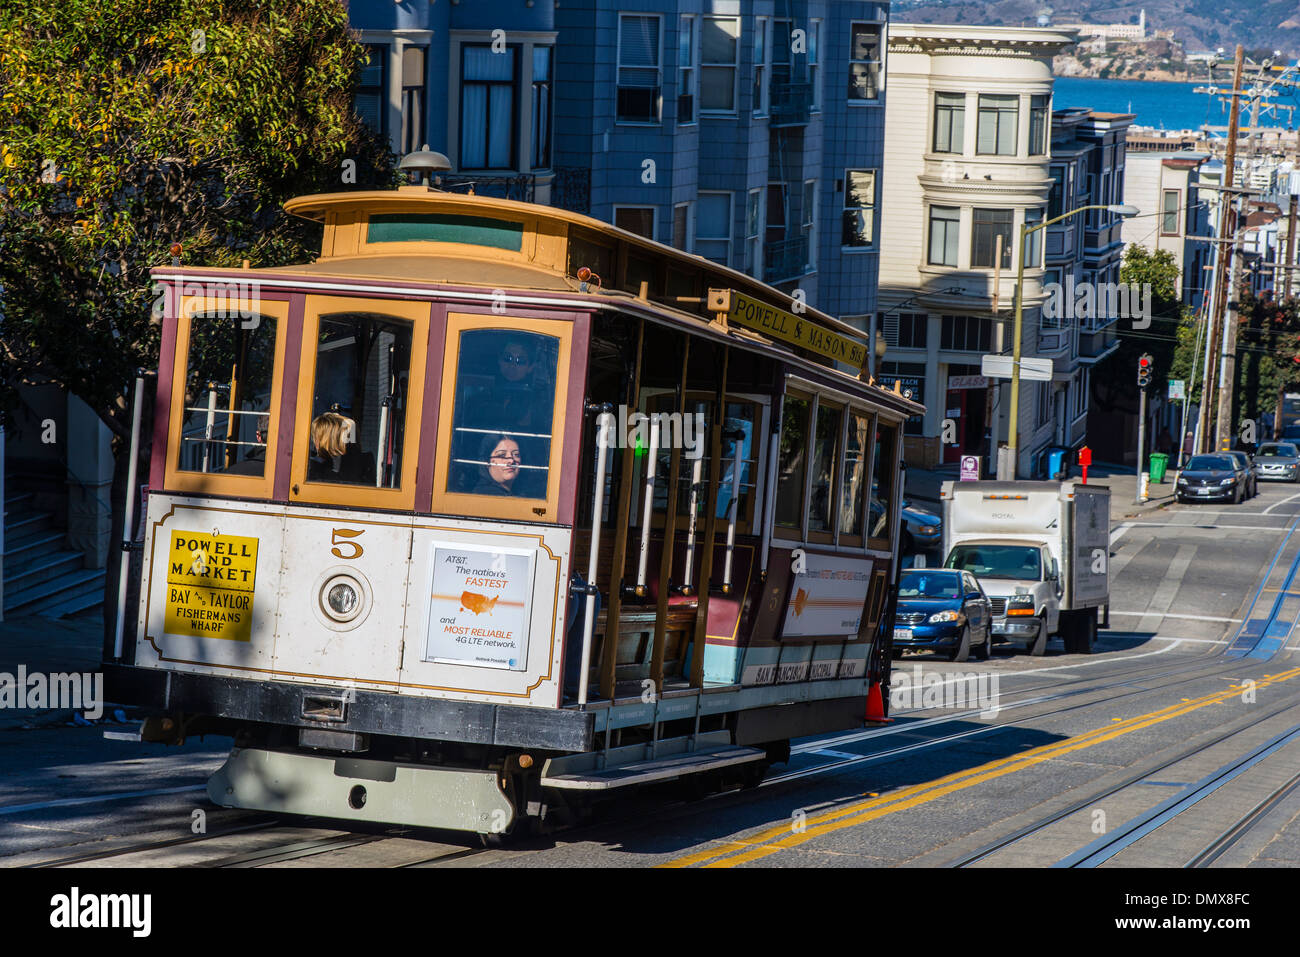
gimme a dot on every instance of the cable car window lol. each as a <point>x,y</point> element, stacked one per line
<point>882,482</point>
<point>857,443</point>
<point>504,407</point>
<point>738,430</point>
<point>824,460</point>
<point>228,413</point>
<point>792,462</point>
<point>358,412</point>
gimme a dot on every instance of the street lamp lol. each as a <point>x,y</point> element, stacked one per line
<point>1013,439</point>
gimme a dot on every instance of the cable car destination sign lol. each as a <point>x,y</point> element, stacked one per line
<point>787,326</point>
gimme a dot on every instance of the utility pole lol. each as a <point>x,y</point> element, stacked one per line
<point>1143,380</point>
<point>1288,262</point>
<point>1205,416</point>
<point>1225,229</point>
<point>1228,361</point>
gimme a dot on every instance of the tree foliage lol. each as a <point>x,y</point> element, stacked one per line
<point>130,126</point>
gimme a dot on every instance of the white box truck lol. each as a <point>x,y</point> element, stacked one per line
<point>1040,551</point>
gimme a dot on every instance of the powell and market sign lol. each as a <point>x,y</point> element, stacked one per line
<point>788,327</point>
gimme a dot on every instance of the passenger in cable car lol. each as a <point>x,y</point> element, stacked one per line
<point>335,458</point>
<point>510,402</point>
<point>501,470</point>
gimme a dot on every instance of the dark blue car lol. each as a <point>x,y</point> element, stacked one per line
<point>942,610</point>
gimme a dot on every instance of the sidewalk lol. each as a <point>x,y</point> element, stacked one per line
<point>48,646</point>
<point>922,487</point>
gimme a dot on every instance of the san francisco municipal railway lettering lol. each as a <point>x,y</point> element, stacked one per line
<point>210,579</point>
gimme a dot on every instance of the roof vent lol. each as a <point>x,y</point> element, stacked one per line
<point>424,162</point>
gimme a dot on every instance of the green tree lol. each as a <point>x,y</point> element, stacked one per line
<point>127,127</point>
<point>130,126</point>
<point>1268,355</point>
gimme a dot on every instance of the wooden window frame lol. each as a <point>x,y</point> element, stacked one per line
<point>890,532</point>
<point>401,498</point>
<point>845,539</point>
<point>215,483</point>
<point>495,506</point>
<point>818,536</point>
<point>782,532</point>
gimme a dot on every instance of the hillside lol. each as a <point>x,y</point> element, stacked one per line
<point>1263,25</point>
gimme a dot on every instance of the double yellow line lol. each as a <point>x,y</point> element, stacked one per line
<point>768,842</point>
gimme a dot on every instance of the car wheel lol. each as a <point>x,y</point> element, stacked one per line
<point>985,649</point>
<point>1038,646</point>
<point>1237,496</point>
<point>962,651</point>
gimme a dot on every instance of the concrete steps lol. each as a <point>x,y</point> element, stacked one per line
<point>41,575</point>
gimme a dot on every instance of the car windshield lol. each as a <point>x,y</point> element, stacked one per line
<point>1210,463</point>
<point>1021,562</point>
<point>929,585</point>
<point>1278,451</point>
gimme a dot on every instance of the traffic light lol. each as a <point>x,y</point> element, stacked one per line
<point>1144,371</point>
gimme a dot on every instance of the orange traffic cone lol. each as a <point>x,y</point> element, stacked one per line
<point>876,705</point>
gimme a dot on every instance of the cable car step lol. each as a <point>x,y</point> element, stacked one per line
<point>656,769</point>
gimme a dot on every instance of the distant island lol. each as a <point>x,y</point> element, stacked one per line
<point>1138,39</point>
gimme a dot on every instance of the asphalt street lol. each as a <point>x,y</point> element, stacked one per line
<point>1071,760</point>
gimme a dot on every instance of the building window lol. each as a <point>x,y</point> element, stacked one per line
<point>987,226</point>
<point>638,68</point>
<point>949,122</point>
<point>1169,213</point>
<point>965,334</point>
<point>759,102</point>
<point>686,71</point>
<point>1044,411</point>
<point>814,34</point>
<point>997,125</point>
<point>912,330</point>
<point>808,221</point>
<point>636,219</point>
<point>858,228</point>
<point>413,87</point>
<point>911,377</point>
<point>719,55</point>
<point>681,218</point>
<point>753,232</point>
<point>944,223</point>
<point>713,227</point>
<point>864,61</point>
<point>1050,313</point>
<point>542,80</point>
<point>1081,393</point>
<point>1034,240</point>
<point>777,202</point>
<point>371,102</point>
<point>1056,196</point>
<point>782,63</point>
<point>487,107</point>
<point>1039,124</point>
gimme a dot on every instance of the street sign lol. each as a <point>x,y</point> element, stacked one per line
<point>959,382</point>
<point>999,367</point>
<point>970,468</point>
<point>1177,389</point>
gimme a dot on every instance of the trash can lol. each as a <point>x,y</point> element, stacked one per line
<point>1056,463</point>
<point>1159,460</point>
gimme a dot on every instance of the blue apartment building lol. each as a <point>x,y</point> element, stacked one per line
<point>750,133</point>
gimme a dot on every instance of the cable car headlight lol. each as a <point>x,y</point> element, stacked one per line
<point>341,598</point>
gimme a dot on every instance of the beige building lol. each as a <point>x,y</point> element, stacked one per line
<point>967,157</point>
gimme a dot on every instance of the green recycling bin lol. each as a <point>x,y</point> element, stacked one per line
<point>1158,463</point>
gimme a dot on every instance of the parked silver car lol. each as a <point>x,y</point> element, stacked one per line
<point>1278,461</point>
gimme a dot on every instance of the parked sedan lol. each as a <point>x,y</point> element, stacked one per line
<point>922,530</point>
<point>1278,461</point>
<point>942,610</point>
<point>1248,466</point>
<point>1209,478</point>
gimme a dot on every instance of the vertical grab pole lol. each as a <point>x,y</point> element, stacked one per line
<point>382,451</point>
<point>604,427</point>
<point>692,523</point>
<point>648,507</point>
<point>128,522</point>
<point>207,431</point>
<point>736,465</point>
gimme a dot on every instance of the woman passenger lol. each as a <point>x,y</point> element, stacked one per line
<point>336,457</point>
<point>501,470</point>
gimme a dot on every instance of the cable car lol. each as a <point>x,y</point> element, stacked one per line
<point>495,509</point>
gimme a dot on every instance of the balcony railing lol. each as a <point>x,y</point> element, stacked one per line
<point>570,187</point>
<point>791,104</point>
<point>786,259</point>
